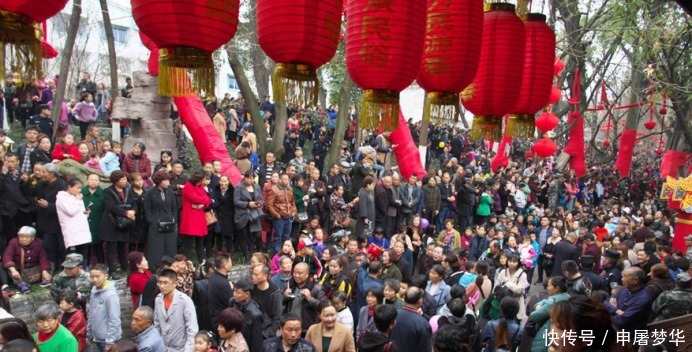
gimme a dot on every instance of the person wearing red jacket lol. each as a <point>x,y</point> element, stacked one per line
<point>67,150</point>
<point>193,223</point>
<point>73,318</point>
<point>139,274</point>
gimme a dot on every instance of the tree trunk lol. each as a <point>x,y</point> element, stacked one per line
<point>342,123</point>
<point>280,123</point>
<point>112,62</point>
<point>250,102</point>
<point>423,138</point>
<point>258,58</point>
<point>72,28</point>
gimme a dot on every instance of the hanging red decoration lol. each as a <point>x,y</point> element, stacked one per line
<point>19,28</point>
<point>47,50</point>
<point>544,147</point>
<point>650,125</point>
<point>624,158</point>
<point>384,45</point>
<point>659,151</point>
<point>606,143</point>
<point>663,110</point>
<point>495,89</point>
<point>537,76</point>
<point>450,56</point>
<point>501,159</point>
<point>300,36</point>
<point>187,33</point>
<point>555,95</point>
<point>575,144</point>
<point>670,163</point>
<point>547,121</point>
<point>153,61</point>
<point>558,66</point>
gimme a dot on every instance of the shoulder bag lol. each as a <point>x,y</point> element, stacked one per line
<point>255,214</point>
<point>122,222</point>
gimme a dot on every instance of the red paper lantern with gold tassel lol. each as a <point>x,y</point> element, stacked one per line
<point>187,33</point>
<point>450,56</point>
<point>300,36</point>
<point>537,76</point>
<point>19,29</point>
<point>495,89</point>
<point>384,44</point>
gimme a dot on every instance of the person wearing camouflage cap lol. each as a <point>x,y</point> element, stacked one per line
<point>676,302</point>
<point>72,277</point>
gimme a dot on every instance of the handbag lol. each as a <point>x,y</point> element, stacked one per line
<point>166,226</point>
<point>211,218</point>
<point>29,275</point>
<point>122,222</point>
<point>255,214</point>
<point>302,217</point>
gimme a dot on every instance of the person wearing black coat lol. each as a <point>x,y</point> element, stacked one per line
<point>565,250</point>
<point>225,213</point>
<point>47,222</point>
<point>39,155</point>
<point>383,199</point>
<point>252,316</point>
<point>17,210</point>
<point>465,204</point>
<point>220,290</point>
<point>117,204</point>
<point>161,206</point>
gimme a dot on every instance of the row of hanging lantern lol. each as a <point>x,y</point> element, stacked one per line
<point>20,30</point>
<point>499,61</point>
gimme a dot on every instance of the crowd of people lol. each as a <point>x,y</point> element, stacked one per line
<point>359,258</point>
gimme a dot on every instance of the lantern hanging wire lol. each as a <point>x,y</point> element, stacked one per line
<point>380,108</point>
<point>23,36</point>
<point>295,84</point>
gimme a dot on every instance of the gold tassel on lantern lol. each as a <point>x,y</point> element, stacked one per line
<point>521,126</point>
<point>174,66</point>
<point>486,127</point>
<point>379,107</point>
<point>441,107</point>
<point>296,84</point>
<point>24,38</point>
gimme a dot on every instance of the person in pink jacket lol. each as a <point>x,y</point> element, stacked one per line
<point>73,217</point>
<point>85,113</point>
<point>193,223</point>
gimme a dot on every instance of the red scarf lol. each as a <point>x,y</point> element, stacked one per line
<point>43,337</point>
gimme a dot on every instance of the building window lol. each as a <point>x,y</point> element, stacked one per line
<point>120,34</point>
<point>232,83</point>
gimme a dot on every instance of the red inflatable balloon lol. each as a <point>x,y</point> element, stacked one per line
<point>407,155</point>
<point>207,140</point>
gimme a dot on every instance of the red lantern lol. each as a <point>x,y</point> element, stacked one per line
<point>300,36</point>
<point>19,28</point>
<point>558,66</point>
<point>650,125</point>
<point>495,89</point>
<point>606,143</point>
<point>450,55</point>
<point>537,76</point>
<point>659,151</point>
<point>547,121</point>
<point>555,95</point>
<point>544,147</point>
<point>384,44</point>
<point>187,32</point>
<point>663,111</point>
